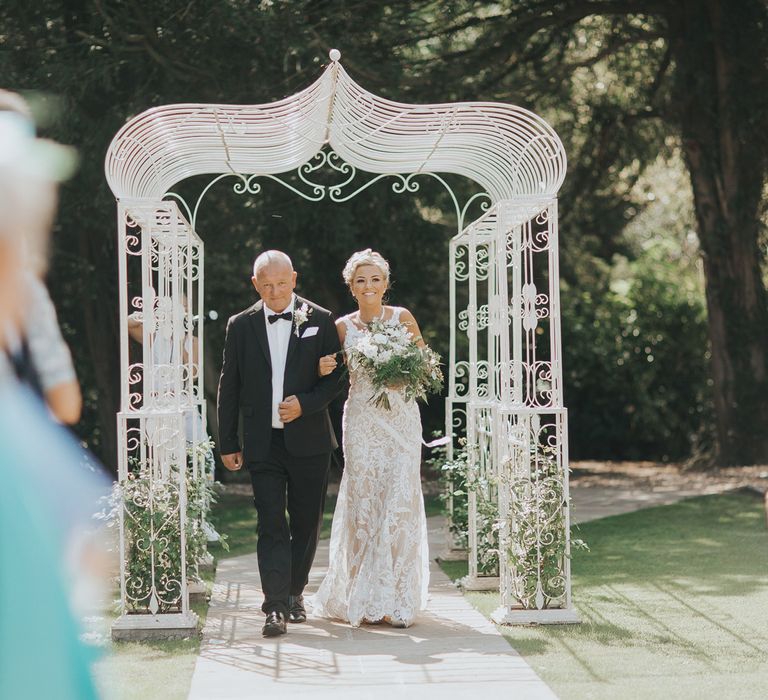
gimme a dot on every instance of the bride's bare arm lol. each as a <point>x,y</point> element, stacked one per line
<point>341,329</point>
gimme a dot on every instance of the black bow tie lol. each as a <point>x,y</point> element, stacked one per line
<point>287,315</point>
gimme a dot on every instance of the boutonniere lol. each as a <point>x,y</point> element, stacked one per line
<point>300,317</point>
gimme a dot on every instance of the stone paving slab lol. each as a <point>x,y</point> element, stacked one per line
<point>451,652</point>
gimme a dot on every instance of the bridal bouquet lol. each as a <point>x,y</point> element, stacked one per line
<point>388,354</point>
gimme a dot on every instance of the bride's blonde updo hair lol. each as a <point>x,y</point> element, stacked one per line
<point>364,257</point>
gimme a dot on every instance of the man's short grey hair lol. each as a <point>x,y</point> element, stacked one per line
<point>270,257</point>
<point>365,257</point>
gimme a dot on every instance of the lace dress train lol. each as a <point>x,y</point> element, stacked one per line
<point>379,562</point>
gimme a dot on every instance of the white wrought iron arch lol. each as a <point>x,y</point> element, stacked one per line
<point>510,151</point>
<point>506,397</point>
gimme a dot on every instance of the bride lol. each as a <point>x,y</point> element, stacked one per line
<point>379,565</point>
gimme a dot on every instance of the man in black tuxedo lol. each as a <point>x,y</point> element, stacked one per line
<point>270,375</point>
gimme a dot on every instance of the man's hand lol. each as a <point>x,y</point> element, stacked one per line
<point>289,409</point>
<point>233,461</point>
<point>326,365</point>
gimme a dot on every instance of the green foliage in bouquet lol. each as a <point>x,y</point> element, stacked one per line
<point>391,358</point>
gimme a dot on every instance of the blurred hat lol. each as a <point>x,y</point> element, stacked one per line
<point>22,153</point>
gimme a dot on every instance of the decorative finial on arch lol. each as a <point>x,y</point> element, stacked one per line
<point>334,55</point>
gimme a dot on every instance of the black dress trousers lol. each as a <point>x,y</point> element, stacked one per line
<point>286,545</point>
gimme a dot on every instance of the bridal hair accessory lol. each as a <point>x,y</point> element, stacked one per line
<point>300,317</point>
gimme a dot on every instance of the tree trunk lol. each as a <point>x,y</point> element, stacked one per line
<point>721,55</point>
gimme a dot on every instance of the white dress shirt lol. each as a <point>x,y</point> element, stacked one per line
<point>278,335</point>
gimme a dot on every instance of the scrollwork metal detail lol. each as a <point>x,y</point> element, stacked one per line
<point>534,536</point>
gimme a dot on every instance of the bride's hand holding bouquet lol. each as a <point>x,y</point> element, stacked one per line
<point>393,359</point>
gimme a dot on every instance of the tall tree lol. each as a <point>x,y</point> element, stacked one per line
<point>720,104</point>
<point>693,68</point>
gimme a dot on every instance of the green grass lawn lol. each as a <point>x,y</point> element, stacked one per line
<point>674,603</point>
<point>142,670</point>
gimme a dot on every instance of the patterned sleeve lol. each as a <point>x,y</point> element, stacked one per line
<point>48,350</point>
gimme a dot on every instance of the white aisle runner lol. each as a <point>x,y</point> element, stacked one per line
<point>451,652</point>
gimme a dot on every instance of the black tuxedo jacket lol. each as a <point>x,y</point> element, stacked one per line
<point>245,384</point>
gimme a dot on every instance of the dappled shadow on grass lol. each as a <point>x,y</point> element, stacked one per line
<point>668,595</point>
<point>709,544</point>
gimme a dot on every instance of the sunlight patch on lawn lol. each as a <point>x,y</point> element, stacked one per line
<point>673,601</point>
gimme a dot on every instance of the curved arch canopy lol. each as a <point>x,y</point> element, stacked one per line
<point>511,152</point>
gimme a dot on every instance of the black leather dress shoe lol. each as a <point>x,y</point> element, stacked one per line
<point>275,624</point>
<point>296,610</point>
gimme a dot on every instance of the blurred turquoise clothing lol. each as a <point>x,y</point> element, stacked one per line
<point>47,492</point>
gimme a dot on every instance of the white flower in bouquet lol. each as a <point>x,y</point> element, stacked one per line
<point>368,349</point>
<point>390,357</point>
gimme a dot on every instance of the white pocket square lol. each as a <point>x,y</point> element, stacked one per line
<point>309,332</point>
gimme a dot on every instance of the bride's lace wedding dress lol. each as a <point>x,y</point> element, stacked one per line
<point>379,563</point>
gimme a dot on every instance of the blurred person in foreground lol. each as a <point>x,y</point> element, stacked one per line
<point>49,492</point>
<point>34,345</point>
<point>39,355</point>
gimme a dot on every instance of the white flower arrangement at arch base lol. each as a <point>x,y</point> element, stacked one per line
<point>389,355</point>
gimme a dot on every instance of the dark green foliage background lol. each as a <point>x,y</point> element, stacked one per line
<point>89,66</point>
